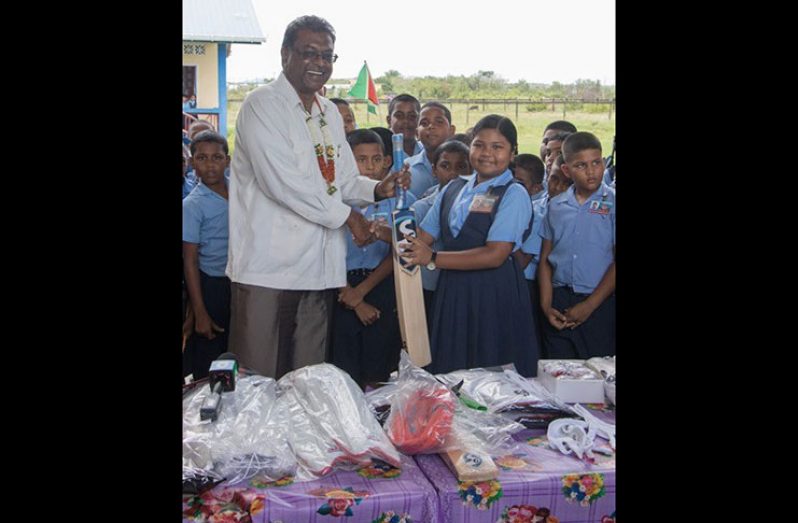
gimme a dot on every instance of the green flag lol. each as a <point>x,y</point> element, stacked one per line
<point>364,89</point>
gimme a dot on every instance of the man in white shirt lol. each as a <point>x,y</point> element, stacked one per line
<point>292,171</point>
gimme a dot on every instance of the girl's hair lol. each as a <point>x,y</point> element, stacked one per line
<point>502,124</point>
<point>449,146</point>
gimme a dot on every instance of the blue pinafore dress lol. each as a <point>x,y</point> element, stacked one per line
<point>481,318</point>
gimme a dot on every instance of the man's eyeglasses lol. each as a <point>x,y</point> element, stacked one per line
<point>328,56</point>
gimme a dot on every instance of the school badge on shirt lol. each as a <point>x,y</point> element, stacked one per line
<point>600,206</point>
<point>482,203</point>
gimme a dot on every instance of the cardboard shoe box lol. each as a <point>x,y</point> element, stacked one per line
<point>572,390</point>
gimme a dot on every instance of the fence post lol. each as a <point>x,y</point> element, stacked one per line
<point>516,110</point>
<point>609,116</point>
<point>468,111</point>
<point>563,109</point>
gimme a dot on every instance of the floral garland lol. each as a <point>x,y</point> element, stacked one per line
<point>323,146</point>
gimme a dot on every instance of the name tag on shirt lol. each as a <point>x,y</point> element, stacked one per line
<point>600,207</point>
<point>482,203</point>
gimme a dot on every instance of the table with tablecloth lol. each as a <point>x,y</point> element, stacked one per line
<point>534,481</point>
<point>373,494</point>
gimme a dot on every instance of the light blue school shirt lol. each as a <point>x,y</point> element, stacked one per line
<point>582,239</point>
<point>421,173</point>
<point>534,241</point>
<point>510,221</point>
<point>369,256</point>
<point>539,195</point>
<point>189,182</point>
<point>205,222</point>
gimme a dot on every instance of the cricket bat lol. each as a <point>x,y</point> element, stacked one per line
<point>407,278</point>
<point>470,466</point>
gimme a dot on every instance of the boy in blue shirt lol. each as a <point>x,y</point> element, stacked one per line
<point>577,259</point>
<point>366,337</point>
<point>434,128</point>
<point>403,118</point>
<point>205,237</point>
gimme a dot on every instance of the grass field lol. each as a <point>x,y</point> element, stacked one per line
<point>530,125</point>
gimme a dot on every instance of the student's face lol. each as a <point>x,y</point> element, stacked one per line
<point>308,75</point>
<point>450,165</point>
<point>548,134</point>
<point>404,119</point>
<point>491,153</point>
<point>525,177</point>
<point>557,182</point>
<point>433,128</point>
<point>210,161</point>
<point>369,160</point>
<point>348,116</point>
<point>586,169</point>
<point>552,150</point>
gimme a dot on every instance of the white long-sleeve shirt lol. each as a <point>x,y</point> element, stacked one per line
<point>285,230</point>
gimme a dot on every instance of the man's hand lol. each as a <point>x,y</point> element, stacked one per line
<point>360,228</point>
<point>387,187</point>
<point>381,231</point>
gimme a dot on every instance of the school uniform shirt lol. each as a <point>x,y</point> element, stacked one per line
<point>534,241</point>
<point>421,173</point>
<point>189,182</point>
<point>371,255</point>
<point>205,222</point>
<point>582,237</point>
<point>285,229</point>
<point>541,195</point>
<point>510,222</point>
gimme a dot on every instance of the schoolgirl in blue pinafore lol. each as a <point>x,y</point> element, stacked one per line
<point>481,317</point>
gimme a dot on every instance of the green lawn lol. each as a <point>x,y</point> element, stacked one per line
<point>530,125</point>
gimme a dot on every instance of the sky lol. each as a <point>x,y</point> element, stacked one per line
<point>534,40</point>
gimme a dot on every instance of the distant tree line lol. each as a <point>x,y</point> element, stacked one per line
<point>483,84</point>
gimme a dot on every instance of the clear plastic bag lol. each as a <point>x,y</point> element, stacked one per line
<point>329,422</point>
<point>246,440</point>
<point>426,417</point>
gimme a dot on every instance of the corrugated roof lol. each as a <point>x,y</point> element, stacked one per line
<point>220,21</point>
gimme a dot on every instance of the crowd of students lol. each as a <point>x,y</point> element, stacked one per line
<point>517,251</point>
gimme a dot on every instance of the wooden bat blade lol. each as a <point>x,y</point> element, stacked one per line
<point>410,295</point>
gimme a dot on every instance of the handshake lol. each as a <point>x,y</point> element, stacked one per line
<point>365,232</point>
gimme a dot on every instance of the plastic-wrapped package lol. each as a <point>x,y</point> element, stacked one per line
<point>246,440</point>
<point>330,422</point>
<point>379,400</point>
<point>502,391</point>
<point>574,370</point>
<point>606,367</point>
<point>485,432</point>
<point>421,411</point>
<point>427,418</point>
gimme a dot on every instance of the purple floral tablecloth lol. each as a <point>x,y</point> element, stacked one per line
<point>535,484</point>
<point>374,494</point>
